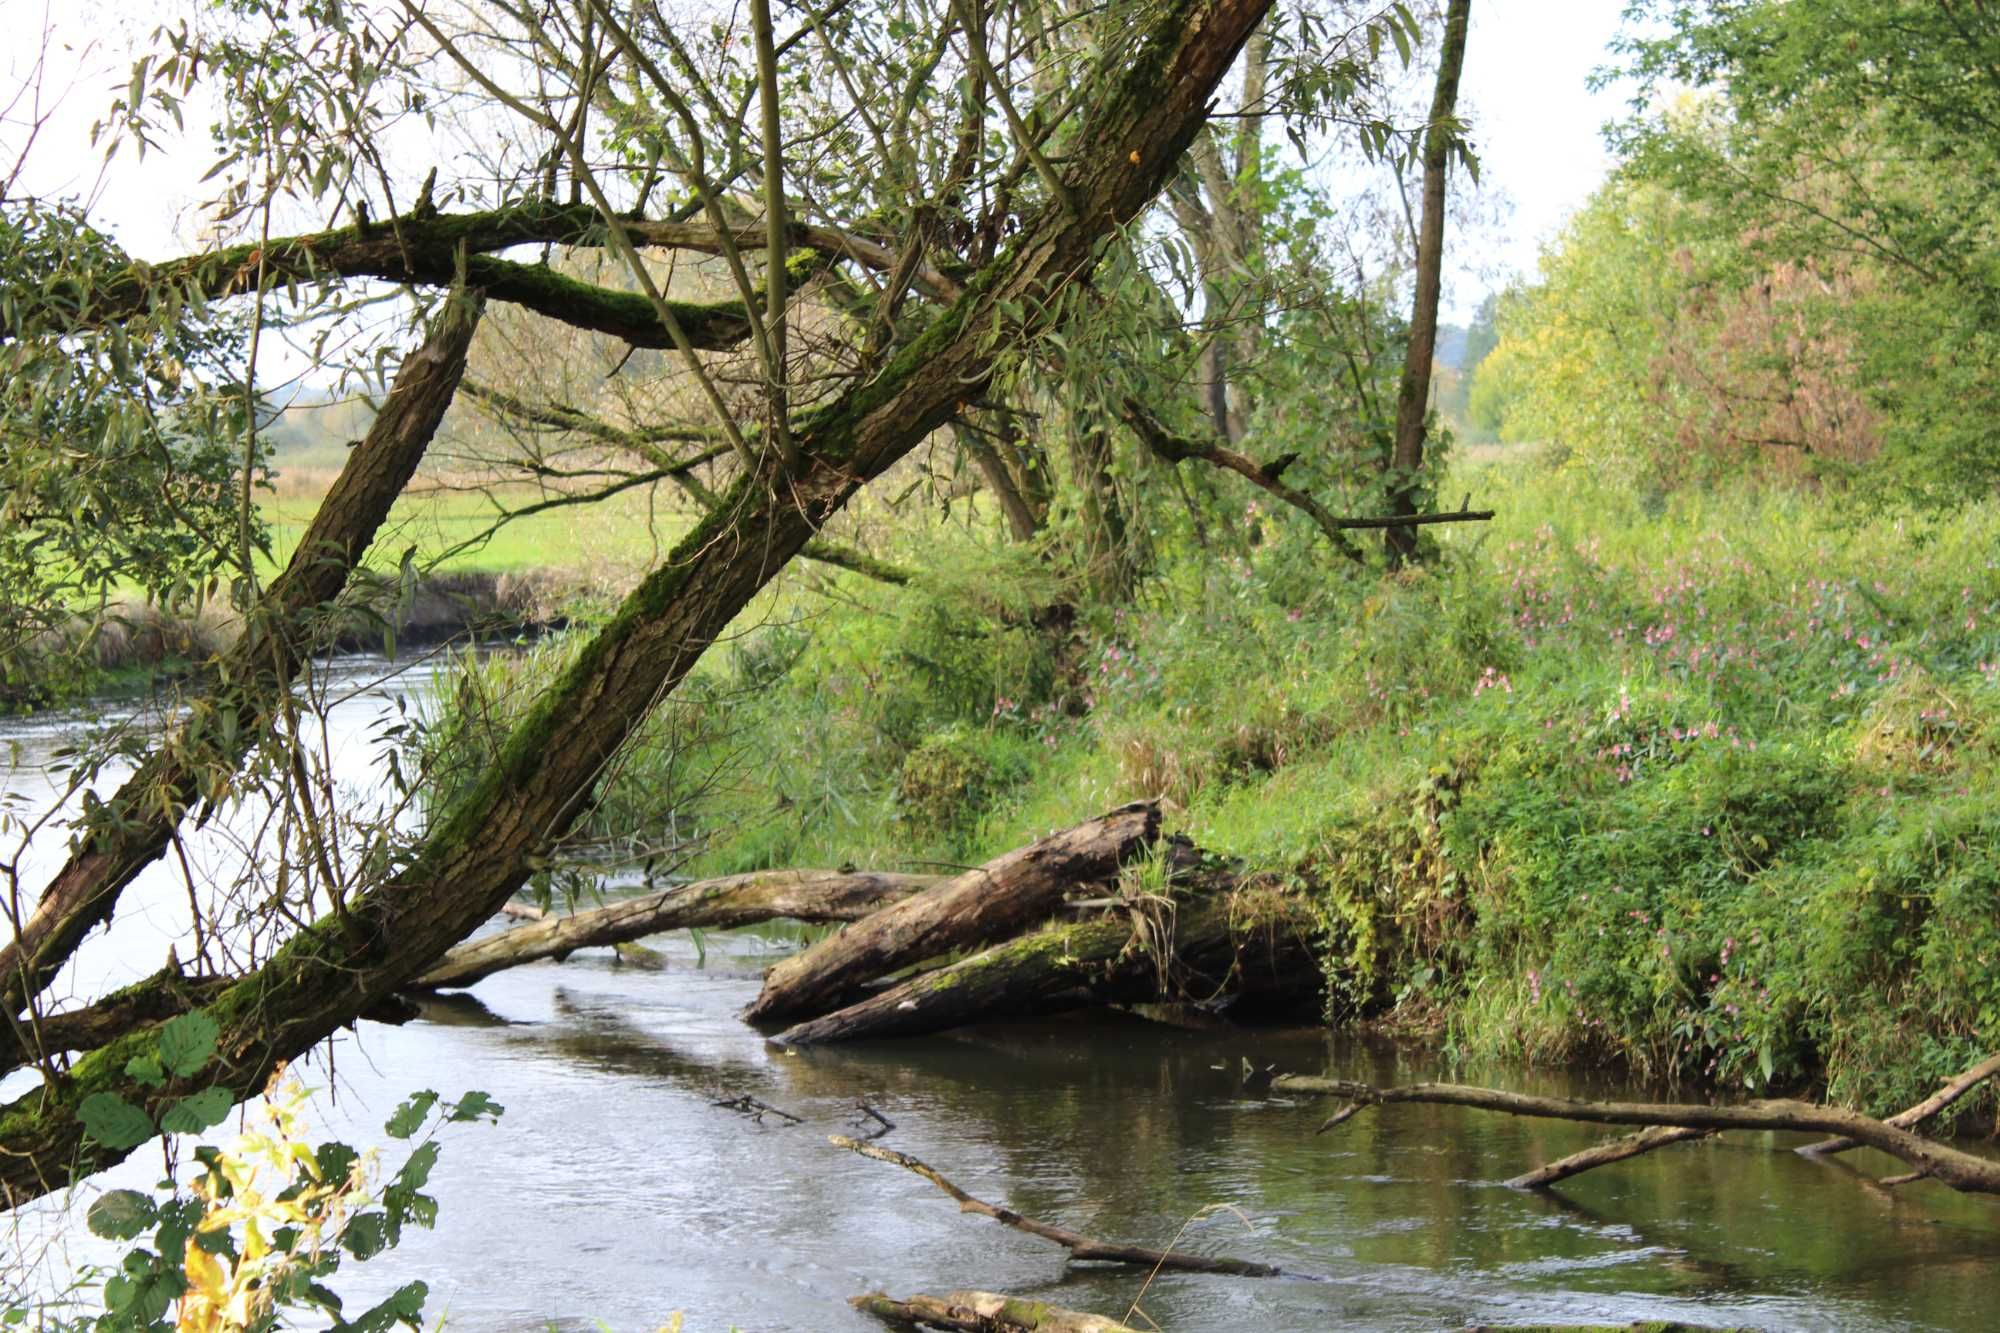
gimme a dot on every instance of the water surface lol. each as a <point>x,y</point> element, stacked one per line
<point>616,1189</point>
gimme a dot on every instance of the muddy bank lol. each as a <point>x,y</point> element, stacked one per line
<point>134,645</point>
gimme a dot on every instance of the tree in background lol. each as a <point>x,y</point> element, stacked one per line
<point>1846,153</point>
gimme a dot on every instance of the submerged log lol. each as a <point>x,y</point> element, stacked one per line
<point>1253,943</point>
<point>735,900</point>
<point>1080,1246</point>
<point>996,900</point>
<point>985,1312</point>
<point>1962,1171</point>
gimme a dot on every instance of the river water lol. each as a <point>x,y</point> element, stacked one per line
<point>615,1191</point>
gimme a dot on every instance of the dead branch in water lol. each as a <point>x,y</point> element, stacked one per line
<point>1960,1170</point>
<point>1646,1140</point>
<point>734,900</point>
<point>1080,1247</point>
<point>985,1312</point>
<point>1603,1154</point>
<point>1938,1101</point>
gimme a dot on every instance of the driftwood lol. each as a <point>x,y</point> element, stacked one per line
<point>1603,1154</point>
<point>1940,1100</point>
<point>1646,1140</point>
<point>628,951</point>
<point>1254,942</point>
<point>736,900</point>
<point>1080,1247</point>
<point>985,1312</point>
<point>989,903</point>
<point>1962,1171</point>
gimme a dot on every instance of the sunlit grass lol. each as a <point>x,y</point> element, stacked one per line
<point>455,530</point>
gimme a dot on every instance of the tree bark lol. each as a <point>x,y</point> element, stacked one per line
<point>486,843</point>
<point>994,901</point>
<point>1249,944</point>
<point>423,247</point>
<point>133,828</point>
<point>1406,459</point>
<point>738,900</point>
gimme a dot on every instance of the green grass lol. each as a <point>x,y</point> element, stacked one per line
<point>449,530</point>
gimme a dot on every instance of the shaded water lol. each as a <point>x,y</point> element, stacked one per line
<point>615,1190</point>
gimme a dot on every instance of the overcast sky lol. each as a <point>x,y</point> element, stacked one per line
<point>1535,126</point>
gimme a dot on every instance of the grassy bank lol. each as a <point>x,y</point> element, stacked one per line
<point>1705,786</point>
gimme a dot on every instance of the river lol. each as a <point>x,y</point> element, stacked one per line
<point>615,1191</point>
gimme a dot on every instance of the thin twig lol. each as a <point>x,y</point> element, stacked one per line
<point>1080,1247</point>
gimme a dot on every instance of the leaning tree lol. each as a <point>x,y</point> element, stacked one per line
<point>809,245</point>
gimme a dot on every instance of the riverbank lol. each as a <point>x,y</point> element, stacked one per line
<point>133,648</point>
<point>1702,787</point>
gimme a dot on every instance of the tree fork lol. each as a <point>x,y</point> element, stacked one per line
<point>1251,942</point>
<point>996,900</point>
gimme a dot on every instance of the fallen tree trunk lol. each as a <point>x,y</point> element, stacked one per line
<point>992,902</point>
<point>736,900</point>
<point>985,1312</point>
<point>1253,942</point>
<point>1080,1246</point>
<point>1960,1170</point>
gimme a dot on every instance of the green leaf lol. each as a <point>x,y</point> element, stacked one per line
<point>187,1042</point>
<point>146,1071</point>
<point>336,1160</point>
<point>113,1121</point>
<point>404,1306</point>
<point>410,1116</point>
<point>366,1236</point>
<point>417,1170</point>
<point>121,1215</point>
<point>475,1106</point>
<point>191,1115</point>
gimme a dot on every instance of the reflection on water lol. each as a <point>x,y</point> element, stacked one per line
<point>614,1188</point>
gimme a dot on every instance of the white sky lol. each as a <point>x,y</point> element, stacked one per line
<point>1535,126</point>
